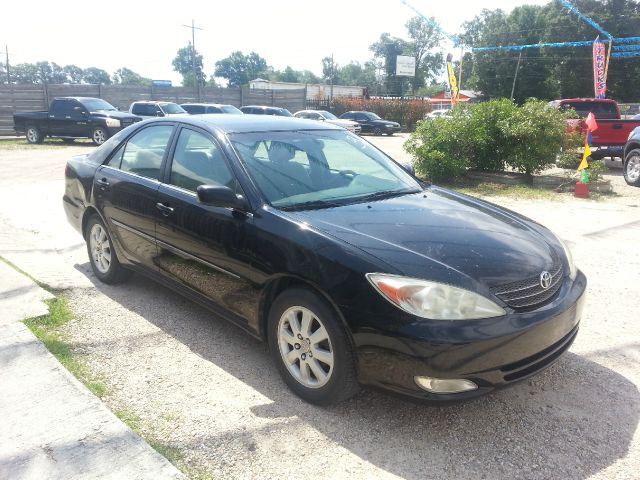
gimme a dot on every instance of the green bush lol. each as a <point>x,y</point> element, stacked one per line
<point>440,148</point>
<point>490,136</point>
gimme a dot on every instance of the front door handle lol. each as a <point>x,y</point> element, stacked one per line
<point>165,209</point>
<point>617,126</point>
<point>102,182</point>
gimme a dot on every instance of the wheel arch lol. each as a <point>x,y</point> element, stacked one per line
<point>88,213</point>
<point>278,285</point>
<point>635,145</point>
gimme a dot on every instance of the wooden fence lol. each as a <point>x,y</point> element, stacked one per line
<point>17,98</point>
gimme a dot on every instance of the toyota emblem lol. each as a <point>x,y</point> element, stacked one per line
<point>545,279</point>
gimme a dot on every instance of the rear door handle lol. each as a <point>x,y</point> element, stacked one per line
<point>165,209</point>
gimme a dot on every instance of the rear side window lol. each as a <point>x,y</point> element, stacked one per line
<point>199,161</point>
<point>144,152</point>
<point>62,107</point>
<point>211,109</point>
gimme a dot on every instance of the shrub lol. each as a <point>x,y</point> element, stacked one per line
<point>406,112</point>
<point>490,136</point>
<point>440,148</point>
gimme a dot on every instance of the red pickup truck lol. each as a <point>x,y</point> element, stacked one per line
<point>612,133</point>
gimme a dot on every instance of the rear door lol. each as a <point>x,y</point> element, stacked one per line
<point>202,247</point>
<point>126,189</point>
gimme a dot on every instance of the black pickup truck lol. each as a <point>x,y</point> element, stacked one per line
<point>73,117</point>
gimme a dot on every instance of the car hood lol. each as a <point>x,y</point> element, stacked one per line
<point>440,235</point>
<point>118,115</point>
<point>342,123</point>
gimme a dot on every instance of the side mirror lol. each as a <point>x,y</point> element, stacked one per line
<point>408,167</point>
<point>322,119</point>
<point>220,196</point>
<point>159,113</point>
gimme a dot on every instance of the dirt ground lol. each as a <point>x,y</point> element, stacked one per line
<point>210,391</point>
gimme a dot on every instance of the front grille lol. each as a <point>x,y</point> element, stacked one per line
<point>528,293</point>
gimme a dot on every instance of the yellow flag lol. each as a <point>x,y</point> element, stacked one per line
<point>587,153</point>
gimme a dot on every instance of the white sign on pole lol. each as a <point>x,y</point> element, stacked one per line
<point>405,66</point>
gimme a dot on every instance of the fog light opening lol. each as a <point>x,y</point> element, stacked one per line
<point>445,385</point>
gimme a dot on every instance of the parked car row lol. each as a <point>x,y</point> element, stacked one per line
<point>69,118</point>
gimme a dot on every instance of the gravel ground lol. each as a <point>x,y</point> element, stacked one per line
<point>210,390</point>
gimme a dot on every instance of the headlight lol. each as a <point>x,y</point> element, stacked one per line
<point>113,122</point>
<point>567,253</point>
<point>433,300</point>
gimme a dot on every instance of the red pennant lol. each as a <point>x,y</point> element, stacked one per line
<point>591,123</point>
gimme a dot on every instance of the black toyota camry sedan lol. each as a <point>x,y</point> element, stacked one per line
<point>308,237</point>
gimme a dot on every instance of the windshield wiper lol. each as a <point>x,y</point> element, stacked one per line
<point>385,194</point>
<point>311,205</point>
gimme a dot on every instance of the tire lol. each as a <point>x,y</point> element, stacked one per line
<point>390,134</point>
<point>631,168</point>
<point>102,255</point>
<point>377,131</point>
<point>34,135</point>
<point>332,356</point>
<point>68,141</point>
<point>99,135</point>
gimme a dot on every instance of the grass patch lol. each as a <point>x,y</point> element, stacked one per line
<point>130,419</point>
<point>22,144</point>
<point>490,189</point>
<point>47,329</point>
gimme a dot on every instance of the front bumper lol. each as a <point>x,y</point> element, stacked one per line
<point>492,353</point>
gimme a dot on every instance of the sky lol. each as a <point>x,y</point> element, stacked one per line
<point>145,36</point>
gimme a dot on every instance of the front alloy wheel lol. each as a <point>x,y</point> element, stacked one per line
<point>311,347</point>
<point>632,168</point>
<point>305,347</point>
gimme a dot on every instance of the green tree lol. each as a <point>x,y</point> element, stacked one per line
<point>126,76</point>
<point>50,73</point>
<point>386,49</point>
<point>239,69</point>
<point>183,64</point>
<point>74,73</point>
<point>287,75</point>
<point>424,39</point>
<point>24,73</point>
<point>330,70</point>
<point>96,76</point>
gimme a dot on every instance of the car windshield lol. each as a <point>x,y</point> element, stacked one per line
<point>328,115</point>
<point>372,116</point>
<point>230,109</point>
<point>319,168</point>
<point>96,105</point>
<point>172,108</point>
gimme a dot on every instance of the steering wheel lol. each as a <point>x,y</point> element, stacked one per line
<point>348,173</point>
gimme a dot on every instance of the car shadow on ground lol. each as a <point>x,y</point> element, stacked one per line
<point>571,421</point>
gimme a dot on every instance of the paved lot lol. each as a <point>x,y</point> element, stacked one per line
<point>211,391</point>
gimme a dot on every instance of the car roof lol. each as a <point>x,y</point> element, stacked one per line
<point>153,101</point>
<point>249,123</point>
<point>78,98</point>
<point>207,104</point>
<point>261,106</point>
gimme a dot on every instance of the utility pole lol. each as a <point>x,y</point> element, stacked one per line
<point>515,77</point>
<point>6,51</point>
<point>196,79</point>
<point>331,92</point>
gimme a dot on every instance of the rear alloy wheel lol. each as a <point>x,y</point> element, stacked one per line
<point>632,168</point>
<point>99,135</point>
<point>377,131</point>
<point>34,135</point>
<point>103,258</point>
<point>311,348</point>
